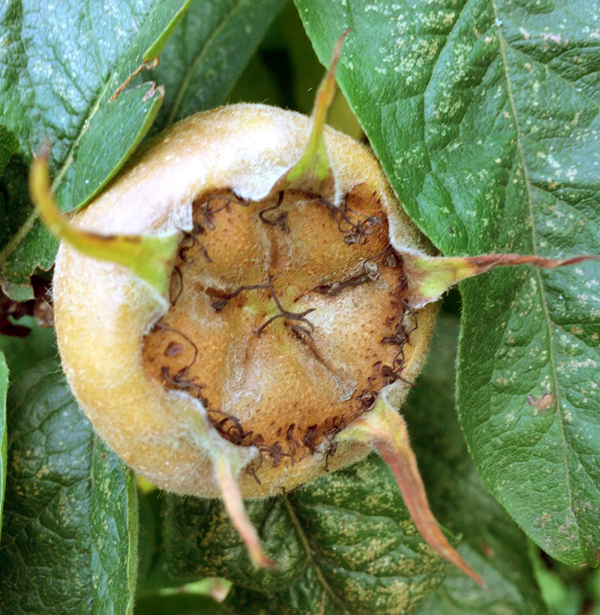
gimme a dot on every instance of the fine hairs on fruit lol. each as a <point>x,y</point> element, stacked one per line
<point>247,306</point>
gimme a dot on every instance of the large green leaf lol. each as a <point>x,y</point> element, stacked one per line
<point>17,355</point>
<point>208,51</point>
<point>3,433</point>
<point>484,114</point>
<point>69,542</point>
<point>60,63</point>
<point>344,540</point>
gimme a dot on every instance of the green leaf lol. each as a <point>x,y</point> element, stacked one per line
<point>208,51</point>
<point>23,353</point>
<point>17,355</point>
<point>200,541</point>
<point>484,114</point>
<point>3,391</point>
<point>491,542</point>
<point>69,542</point>
<point>63,95</point>
<point>345,540</point>
<point>8,146</point>
<point>562,597</point>
<point>366,554</point>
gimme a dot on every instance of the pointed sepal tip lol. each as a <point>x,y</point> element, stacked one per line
<point>234,504</point>
<point>384,430</point>
<point>431,276</point>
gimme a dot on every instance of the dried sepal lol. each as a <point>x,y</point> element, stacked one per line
<point>384,430</point>
<point>226,472</point>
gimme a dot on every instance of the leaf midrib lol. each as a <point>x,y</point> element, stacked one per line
<point>537,272</point>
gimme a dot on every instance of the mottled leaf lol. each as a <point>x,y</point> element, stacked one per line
<point>60,63</point>
<point>69,542</point>
<point>345,541</point>
<point>485,117</point>
<point>208,51</point>
<point>199,540</point>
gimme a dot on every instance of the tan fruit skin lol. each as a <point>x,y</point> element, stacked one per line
<point>103,311</point>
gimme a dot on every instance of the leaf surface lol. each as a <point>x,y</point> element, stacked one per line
<point>69,542</point>
<point>485,117</point>
<point>59,66</point>
<point>344,541</point>
<point>207,53</point>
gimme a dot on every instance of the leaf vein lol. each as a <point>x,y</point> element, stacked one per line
<point>309,553</point>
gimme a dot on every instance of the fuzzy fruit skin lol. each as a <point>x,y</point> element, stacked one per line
<point>103,311</point>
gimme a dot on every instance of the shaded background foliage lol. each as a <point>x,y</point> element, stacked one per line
<point>484,114</point>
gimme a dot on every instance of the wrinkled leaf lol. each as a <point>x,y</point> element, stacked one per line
<point>208,51</point>
<point>199,540</point>
<point>485,118</point>
<point>491,542</point>
<point>56,86</point>
<point>3,433</point>
<point>345,539</point>
<point>17,355</point>
<point>69,542</point>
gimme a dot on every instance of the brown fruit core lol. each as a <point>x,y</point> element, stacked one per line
<point>288,315</point>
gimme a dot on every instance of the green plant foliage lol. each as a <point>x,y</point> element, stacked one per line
<point>55,90</point>
<point>345,540</point>
<point>180,604</point>
<point>485,117</point>
<point>8,146</point>
<point>69,541</point>
<point>207,53</point>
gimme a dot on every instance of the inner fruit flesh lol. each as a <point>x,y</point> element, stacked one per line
<point>287,317</point>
